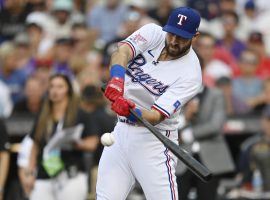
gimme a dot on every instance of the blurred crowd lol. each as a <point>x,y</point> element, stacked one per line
<point>75,38</point>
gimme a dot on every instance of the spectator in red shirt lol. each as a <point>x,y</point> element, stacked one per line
<point>256,43</point>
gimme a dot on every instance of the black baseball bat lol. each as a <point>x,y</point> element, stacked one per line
<point>192,164</point>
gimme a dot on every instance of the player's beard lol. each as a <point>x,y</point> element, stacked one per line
<point>176,51</point>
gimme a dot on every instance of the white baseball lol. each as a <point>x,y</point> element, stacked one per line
<point>107,139</point>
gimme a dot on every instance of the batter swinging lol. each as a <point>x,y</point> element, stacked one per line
<point>155,72</point>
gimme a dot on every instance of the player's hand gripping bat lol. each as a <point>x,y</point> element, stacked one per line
<point>196,167</point>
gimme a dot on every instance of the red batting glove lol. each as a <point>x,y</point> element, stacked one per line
<point>114,89</point>
<point>121,106</point>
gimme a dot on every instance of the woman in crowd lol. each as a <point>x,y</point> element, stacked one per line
<point>59,169</point>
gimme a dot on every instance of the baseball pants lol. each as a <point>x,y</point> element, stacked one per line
<point>137,154</point>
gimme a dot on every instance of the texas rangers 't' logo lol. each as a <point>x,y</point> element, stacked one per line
<point>182,18</point>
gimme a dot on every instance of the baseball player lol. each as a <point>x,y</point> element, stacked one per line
<point>155,72</point>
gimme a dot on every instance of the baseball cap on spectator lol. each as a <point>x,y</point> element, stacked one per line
<point>183,22</point>
<point>224,80</point>
<point>250,5</point>
<point>37,19</point>
<point>64,41</point>
<point>256,37</point>
<point>138,4</point>
<point>63,5</point>
<point>43,63</point>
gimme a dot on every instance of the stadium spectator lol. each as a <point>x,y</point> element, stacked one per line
<point>162,11</point>
<point>256,43</point>
<point>12,18</point>
<point>35,32</point>
<point>214,68</point>
<point>141,7</point>
<point>42,71</point>
<point>105,19</point>
<point>262,5</point>
<point>261,25</point>
<point>62,10</point>
<point>33,93</point>
<point>22,45</point>
<point>9,74</point>
<point>204,117</point>
<point>215,25</point>
<point>234,105</point>
<point>246,20</point>
<point>47,28</point>
<point>229,41</point>
<point>248,87</point>
<point>255,156</point>
<point>63,50</point>
<point>227,6</point>
<point>36,5</point>
<point>208,9</point>
<point>39,41</point>
<point>84,55</point>
<point>82,39</point>
<point>263,100</point>
<point>61,172</point>
<point>256,104</point>
<point>4,158</point>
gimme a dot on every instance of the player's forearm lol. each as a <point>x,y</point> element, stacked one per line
<point>121,56</point>
<point>152,116</point>
<point>4,166</point>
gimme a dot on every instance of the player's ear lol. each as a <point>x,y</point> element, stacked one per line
<point>195,36</point>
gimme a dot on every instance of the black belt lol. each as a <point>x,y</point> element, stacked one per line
<point>127,121</point>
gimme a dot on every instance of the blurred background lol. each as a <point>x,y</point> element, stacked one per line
<point>39,38</point>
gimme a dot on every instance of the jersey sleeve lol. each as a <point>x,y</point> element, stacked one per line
<point>176,96</point>
<point>147,37</point>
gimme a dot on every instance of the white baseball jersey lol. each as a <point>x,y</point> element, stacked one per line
<point>164,85</point>
<point>136,154</point>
